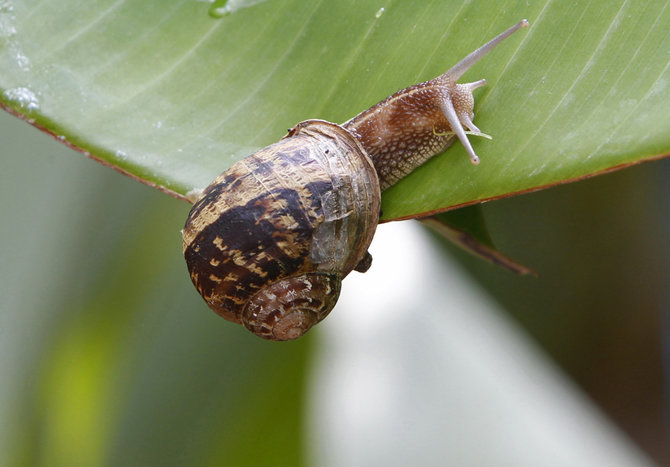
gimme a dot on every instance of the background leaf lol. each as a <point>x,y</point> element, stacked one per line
<point>466,228</point>
<point>173,95</point>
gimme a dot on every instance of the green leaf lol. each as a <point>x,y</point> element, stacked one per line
<point>172,95</point>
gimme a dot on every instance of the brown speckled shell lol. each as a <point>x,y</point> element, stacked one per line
<point>295,217</point>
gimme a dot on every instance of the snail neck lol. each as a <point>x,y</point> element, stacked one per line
<point>406,129</point>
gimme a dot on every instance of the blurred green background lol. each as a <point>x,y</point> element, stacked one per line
<point>602,251</point>
<point>107,352</point>
<point>109,356</point>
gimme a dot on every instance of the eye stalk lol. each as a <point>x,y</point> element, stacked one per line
<point>406,129</point>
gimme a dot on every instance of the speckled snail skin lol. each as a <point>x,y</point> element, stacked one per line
<point>269,241</point>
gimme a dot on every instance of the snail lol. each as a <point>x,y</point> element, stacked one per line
<point>269,241</point>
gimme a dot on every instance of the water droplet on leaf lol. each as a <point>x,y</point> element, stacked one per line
<point>24,97</point>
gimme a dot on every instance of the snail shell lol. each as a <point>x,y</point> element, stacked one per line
<point>270,240</point>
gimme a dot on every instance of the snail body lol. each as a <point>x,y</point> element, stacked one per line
<point>269,241</point>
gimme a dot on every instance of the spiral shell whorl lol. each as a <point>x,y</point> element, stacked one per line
<point>288,308</point>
